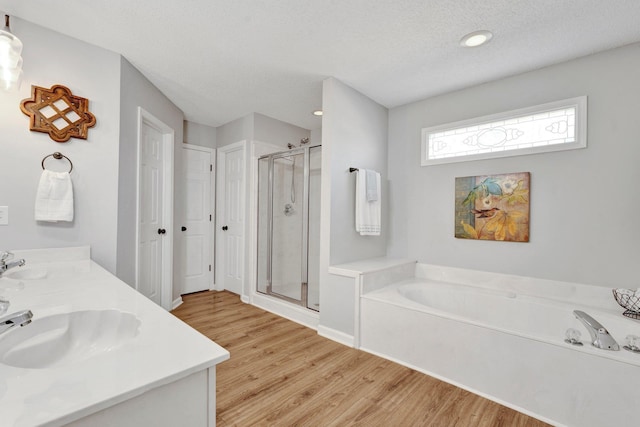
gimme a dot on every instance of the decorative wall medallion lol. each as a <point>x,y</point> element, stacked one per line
<point>493,207</point>
<point>58,112</point>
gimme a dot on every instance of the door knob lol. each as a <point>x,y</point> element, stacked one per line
<point>225,228</point>
<point>162,231</point>
<point>184,228</point>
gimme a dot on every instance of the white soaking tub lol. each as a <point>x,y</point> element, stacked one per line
<point>503,340</point>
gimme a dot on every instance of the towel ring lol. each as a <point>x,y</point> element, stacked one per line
<point>58,156</point>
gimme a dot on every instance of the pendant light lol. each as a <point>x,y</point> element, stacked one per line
<point>10,59</point>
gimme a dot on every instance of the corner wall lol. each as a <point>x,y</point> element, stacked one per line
<point>136,91</point>
<point>354,134</point>
<point>202,135</point>
<point>583,202</point>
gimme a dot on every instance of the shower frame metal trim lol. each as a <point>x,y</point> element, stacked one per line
<point>304,286</point>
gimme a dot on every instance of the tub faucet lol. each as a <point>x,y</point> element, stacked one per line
<point>600,337</point>
<point>20,318</point>
<point>4,265</point>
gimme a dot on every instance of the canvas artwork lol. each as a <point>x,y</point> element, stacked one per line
<point>493,207</point>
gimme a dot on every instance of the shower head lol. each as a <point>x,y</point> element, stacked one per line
<point>303,141</point>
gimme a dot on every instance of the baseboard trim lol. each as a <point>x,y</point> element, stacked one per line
<point>176,303</point>
<point>337,336</point>
<point>245,299</point>
<point>289,311</point>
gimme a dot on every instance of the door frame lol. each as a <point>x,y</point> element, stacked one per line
<point>212,207</point>
<point>220,192</point>
<point>168,142</point>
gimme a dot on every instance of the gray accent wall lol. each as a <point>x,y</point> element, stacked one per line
<point>51,58</point>
<point>583,202</point>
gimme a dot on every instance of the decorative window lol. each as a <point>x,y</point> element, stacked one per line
<point>560,125</point>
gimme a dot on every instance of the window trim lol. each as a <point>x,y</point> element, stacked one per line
<point>579,103</point>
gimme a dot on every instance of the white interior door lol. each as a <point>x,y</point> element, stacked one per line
<point>155,206</point>
<point>231,218</point>
<point>196,230</point>
<point>151,219</point>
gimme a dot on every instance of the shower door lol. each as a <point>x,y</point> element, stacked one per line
<point>288,225</point>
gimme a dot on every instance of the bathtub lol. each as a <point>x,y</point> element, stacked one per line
<point>501,339</point>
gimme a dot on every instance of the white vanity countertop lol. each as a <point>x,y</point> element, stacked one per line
<point>165,349</point>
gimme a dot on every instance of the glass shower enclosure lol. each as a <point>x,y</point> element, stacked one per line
<point>289,226</point>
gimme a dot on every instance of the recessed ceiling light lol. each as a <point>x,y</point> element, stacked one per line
<point>475,39</point>
<point>317,113</point>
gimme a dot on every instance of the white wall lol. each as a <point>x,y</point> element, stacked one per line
<point>136,91</point>
<point>354,134</point>
<point>202,135</point>
<point>258,127</point>
<point>277,132</point>
<point>583,202</point>
<point>94,73</point>
<point>316,136</point>
<point>234,131</point>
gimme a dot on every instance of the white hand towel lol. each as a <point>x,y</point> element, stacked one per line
<point>54,198</point>
<point>372,185</point>
<point>367,213</point>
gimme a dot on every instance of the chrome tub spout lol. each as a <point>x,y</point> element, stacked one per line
<point>600,337</point>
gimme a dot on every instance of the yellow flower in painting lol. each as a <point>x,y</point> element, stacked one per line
<point>469,230</point>
<point>503,225</point>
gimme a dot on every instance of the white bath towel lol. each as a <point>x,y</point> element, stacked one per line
<point>372,185</point>
<point>367,213</point>
<point>54,198</point>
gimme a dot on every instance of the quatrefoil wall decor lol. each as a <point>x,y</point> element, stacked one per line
<point>58,112</point>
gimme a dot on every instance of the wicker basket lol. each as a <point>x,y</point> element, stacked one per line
<point>628,300</point>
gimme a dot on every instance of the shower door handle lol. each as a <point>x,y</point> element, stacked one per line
<point>225,228</point>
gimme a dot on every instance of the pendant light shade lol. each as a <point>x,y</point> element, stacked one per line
<point>10,58</point>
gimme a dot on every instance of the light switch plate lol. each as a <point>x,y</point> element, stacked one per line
<point>4,215</point>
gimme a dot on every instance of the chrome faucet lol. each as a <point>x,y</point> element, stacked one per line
<point>600,337</point>
<point>4,265</point>
<point>19,318</point>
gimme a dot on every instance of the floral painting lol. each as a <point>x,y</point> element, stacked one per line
<point>493,207</point>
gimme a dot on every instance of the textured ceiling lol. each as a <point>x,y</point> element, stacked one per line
<point>218,60</point>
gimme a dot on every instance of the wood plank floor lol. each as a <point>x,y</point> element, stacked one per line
<point>284,374</point>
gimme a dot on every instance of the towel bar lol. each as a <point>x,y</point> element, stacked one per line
<point>58,156</point>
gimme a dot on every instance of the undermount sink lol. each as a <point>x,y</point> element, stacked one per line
<point>67,338</point>
<point>27,273</point>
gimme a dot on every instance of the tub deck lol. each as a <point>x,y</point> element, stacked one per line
<point>506,343</point>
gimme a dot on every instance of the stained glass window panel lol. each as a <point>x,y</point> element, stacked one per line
<point>550,127</point>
